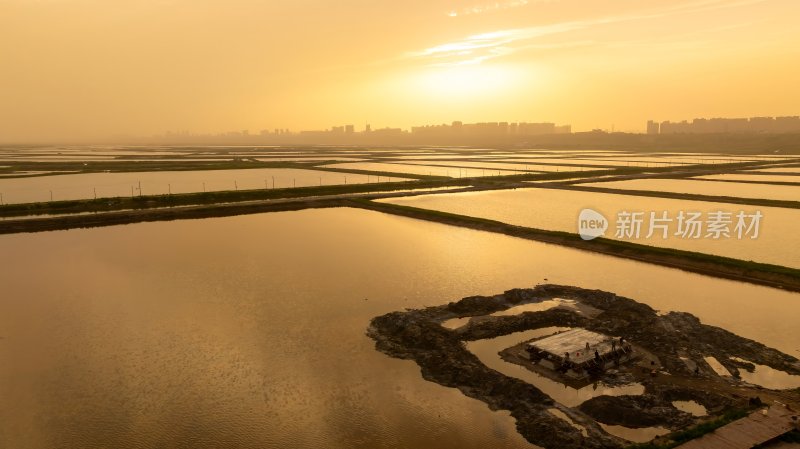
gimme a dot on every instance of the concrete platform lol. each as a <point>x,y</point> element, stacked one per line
<point>574,341</point>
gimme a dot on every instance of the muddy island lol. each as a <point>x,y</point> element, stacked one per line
<point>646,364</point>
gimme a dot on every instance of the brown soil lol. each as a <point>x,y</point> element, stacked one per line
<point>444,359</point>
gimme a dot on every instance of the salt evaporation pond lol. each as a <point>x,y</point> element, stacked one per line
<point>558,210</point>
<point>250,331</point>
<point>697,187</point>
<point>106,185</point>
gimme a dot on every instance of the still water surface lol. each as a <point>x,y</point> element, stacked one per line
<point>558,210</point>
<point>487,351</point>
<point>734,189</point>
<point>250,331</point>
<point>107,185</point>
<point>754,178</point>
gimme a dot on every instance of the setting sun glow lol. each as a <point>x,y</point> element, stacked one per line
<point>139,68</point>
<point>468,82</point>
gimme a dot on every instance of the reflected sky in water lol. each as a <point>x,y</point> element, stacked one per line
<point>249,331</point>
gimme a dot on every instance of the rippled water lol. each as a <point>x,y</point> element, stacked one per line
<point>249,331</point>
<point>558,210</point>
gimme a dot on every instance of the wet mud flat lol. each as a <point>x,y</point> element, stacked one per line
<point>672,366</point>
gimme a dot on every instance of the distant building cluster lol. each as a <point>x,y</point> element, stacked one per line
<point>491,133</point>
<point>490,129</point>
<point>455,129</point>
<point>350,130</point>
<point>763,125</point>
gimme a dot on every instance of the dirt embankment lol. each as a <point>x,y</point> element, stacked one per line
<point>443,358</point>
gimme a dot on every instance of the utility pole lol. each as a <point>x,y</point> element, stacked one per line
<point>273,182</point>
<point>95,192</point>
<point>140,188</point>
<point>235,185</point>
<point>51,195</point>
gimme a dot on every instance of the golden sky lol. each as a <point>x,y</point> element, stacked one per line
<point>83,69</point>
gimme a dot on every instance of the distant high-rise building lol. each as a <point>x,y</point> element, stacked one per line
<point>563,129</point>
<point>731,125</point>
<point>532,129</point>
<point>349,129</point>
<point>652,127</point>
<point>787,124</point>
<point>367,128</point>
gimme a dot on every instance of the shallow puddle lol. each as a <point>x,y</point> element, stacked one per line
<point>690,407</point>
<point>717,367</point>
<point>535,307</point>
<point>455,323</point>
<point>768,377</point>
<point>488,352</point>
<point>559,414</point>
<point>642,435</point>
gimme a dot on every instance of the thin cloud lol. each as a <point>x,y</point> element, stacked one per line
<point>489,7</point>
<point>478,48</point>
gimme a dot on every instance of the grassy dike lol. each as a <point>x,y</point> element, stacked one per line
<point>231,196</point>
<point>147,214</point>
<point>679,196</point>
<point>718,266</point>
<point>210,198</point>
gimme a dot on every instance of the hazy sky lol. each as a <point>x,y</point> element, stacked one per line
<point>94,68</point>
